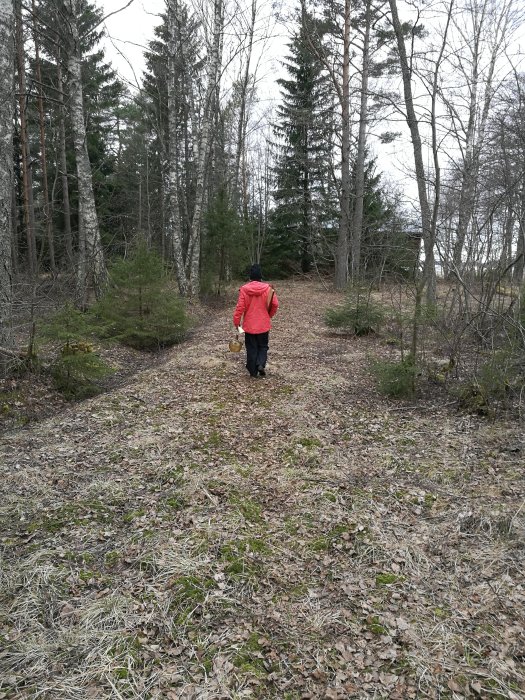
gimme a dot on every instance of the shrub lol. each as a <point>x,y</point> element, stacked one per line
<point>76,371</point>
<point>396,379</point>
<point>362,318</point>
<point>77,367</point>
<point>141,309</point>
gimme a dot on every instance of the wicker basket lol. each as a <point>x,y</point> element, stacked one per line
<point>235,345</point>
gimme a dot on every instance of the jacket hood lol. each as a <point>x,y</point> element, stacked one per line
<point>255,289</point>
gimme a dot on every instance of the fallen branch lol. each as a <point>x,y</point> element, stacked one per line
<point>15,354</point>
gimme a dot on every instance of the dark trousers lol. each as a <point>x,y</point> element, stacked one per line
<point>256,351</point>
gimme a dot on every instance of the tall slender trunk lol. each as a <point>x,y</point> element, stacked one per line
<point>212,82</point>
<point>7,48</point>
<point>477,123</point>
<point>429,268</point>
<point>27,179</point>
<point>357,223</point>
<point>43,158</point>
<point>174,229</point>
<point>433,125</point>
<point>62,151</point>
<point>91,269</point>
<point>242,120</point>
<point>341,258</point>
<point>519,268</point>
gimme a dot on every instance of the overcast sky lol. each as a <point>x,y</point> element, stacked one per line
<point>129,32</point>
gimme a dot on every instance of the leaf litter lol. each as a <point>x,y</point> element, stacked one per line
<point>195,534</point>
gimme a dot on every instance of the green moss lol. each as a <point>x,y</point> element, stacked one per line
<point>78,513</point>
<point>375,626</point>
<point>387,579</point>
<point>309,442</point>
<point>112,558</point>
<point>250,658</point>
<point>175,502</point>
<point>189,594</point>
<point>249,509</point>
<point>214,439</point>
<point>238,564</point>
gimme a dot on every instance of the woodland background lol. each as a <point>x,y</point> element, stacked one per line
<point>352,525</point>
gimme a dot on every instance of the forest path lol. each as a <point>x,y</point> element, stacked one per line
<point>199,534</point>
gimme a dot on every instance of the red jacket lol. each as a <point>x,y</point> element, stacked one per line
<point>252,304</point>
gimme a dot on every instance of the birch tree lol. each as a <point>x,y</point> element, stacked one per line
<point>174,229</point>
<point>7,29</point>
<point>27,173</point>
<point>212,84</point>
<point>429,268</point>
<point>91,269</point>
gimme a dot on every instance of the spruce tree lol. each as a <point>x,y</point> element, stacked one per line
<point>303,193</point>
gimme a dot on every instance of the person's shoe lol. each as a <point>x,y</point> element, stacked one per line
<point>261,371</point>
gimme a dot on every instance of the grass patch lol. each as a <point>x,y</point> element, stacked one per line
<point>188,596</point>
<point>375,626</point>
<point>250,657</point>
<point>328,540</point>
<point>241,558</point>
<point>249,509</point>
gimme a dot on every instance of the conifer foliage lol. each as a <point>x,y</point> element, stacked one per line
<point>141,308</point>
<point>305,200</point>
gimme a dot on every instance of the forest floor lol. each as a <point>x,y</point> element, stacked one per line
<point>195,534</point>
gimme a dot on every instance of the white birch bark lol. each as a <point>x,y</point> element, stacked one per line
<point>62,161</point>
<point>490,24</point>
<point>174,229</point>
<point>212,83</point>
<point>7,48</point>
<point>91,268</point>
<point>341,260</point>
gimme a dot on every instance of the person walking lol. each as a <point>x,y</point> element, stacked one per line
<point>256,305</point>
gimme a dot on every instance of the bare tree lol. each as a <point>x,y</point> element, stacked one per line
<point>357,221</point>
<point>27,177</point>
<point>7,48</point>
<point>42,133</point>
<point>485,29</point>
<point>429,269</point>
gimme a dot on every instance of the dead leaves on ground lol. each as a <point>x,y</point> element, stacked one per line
<point>198,535</point>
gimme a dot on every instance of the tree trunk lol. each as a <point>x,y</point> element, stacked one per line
<point>429,268</point>
<point>482,17</point>
<point>174,229</point>
<point>357,224</point>
<point>241,124</point>
<point>68,236</point>
<point>7,49</point>
<point>213,72</point>
<point>27,180</point>
<point>91,269</point>
<point>341,258</point>
<point>43,158</point>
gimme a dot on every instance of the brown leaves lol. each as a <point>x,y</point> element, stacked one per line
<point>299,536</point>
